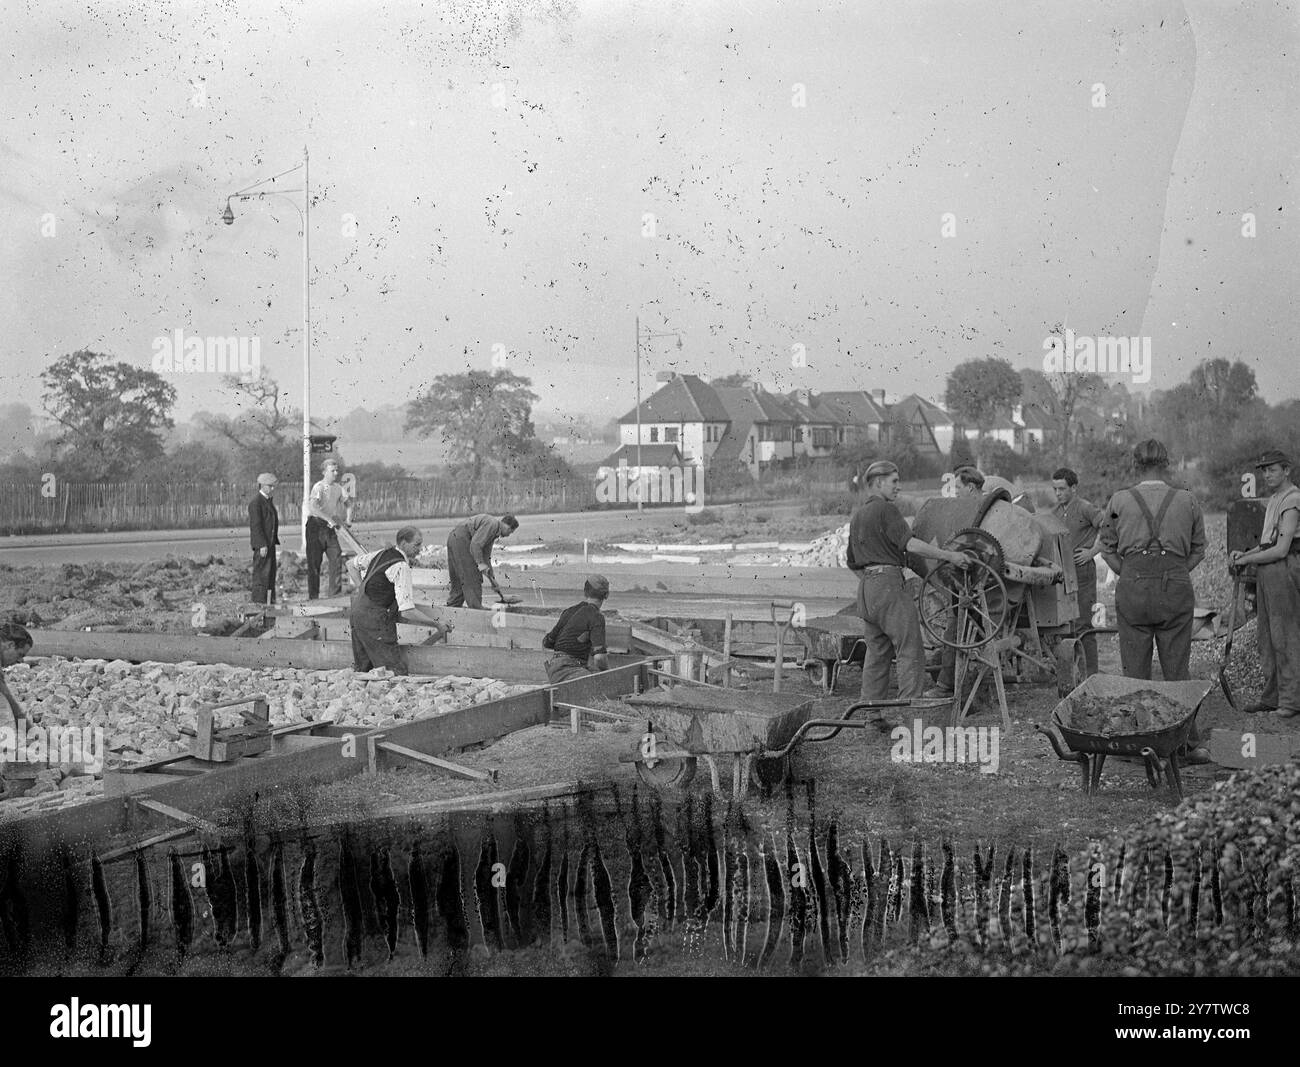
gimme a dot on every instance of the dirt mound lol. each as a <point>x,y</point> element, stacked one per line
<point>1142,712</point>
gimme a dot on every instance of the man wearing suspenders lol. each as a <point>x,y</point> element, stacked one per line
<point>1153,537</point>
<point>385,596</point>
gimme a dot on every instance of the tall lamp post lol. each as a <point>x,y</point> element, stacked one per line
<point>649,336</point>
<point>304,213</point>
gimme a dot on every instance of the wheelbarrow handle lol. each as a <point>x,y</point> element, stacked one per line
<point>1069,757</point>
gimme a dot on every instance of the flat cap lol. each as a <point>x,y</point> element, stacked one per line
<point>267,479</point>
<point>882,468</point>
<point>1273,455</point>
<point>596,585</point>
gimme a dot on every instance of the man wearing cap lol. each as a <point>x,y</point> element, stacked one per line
<point>15,643</point>
<point>579,636</point>
<point>329,508</point>
<point>1153,537</point>
<point>1082,519</point>
<point>385,596</point>
<point>469,557</point>
<point>264,532</point>
<point>879,540</point>
<point>1277,561</point>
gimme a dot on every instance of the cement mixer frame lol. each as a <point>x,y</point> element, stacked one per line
<point>1004,618</point>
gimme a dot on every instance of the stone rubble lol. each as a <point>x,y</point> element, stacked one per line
<point>142,708</point>
<point>829,550</point>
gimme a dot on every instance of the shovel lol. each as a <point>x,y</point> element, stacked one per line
<point>501,597</point>
<point>1227,646</point>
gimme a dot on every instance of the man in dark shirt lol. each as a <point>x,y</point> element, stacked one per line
<point>1083,520</point>
<point>879,540</point>
<point>264,534</point>
<point>579,635</point>
<point>15,643</point>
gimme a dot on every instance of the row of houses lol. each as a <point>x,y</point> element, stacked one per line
<point>688,421</point>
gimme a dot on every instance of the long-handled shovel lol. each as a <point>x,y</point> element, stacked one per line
<point>1227,645</point>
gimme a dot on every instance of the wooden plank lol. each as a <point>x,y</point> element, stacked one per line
<point>505,799</point>
<point>433,761</point>
<point>790,583</point>
<point>522,666</point>
<point>169,812</point>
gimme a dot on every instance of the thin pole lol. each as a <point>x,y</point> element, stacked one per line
<point>638,413</point>
<point>306,346</point>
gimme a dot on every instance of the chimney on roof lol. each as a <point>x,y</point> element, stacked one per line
<point>803,396</point>
<point>878,395</point>
<point>665,376</point>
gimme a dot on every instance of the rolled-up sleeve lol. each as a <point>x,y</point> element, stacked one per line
<point>1109,530</point>
<point>400,575</point>
<point>1197,552</point>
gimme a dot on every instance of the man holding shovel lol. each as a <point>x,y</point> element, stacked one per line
<point>469,558</point>
<point>385,595</point>
<point>1277,562</point>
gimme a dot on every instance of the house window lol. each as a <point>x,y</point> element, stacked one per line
<point>798,435</point>
<point>670,434</point>
<point>654,435</point>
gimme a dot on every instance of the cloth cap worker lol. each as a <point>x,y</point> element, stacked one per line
<point>385,595</point>
<point>469,557</point>
<point>1153,537</point>
<point>879,540</point>
<point>1277,576</point>
<point>15,643</point>
<point>578,637</point>
<point>1083,520</point>
<point>328,508</point>
<point>264,533</point>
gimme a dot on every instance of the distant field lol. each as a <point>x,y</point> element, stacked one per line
<point>420,456</point>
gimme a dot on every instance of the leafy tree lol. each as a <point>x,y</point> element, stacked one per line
<point>483,418</point>
<point>1198,412</point>
<point>193,462</point>
<point>266,435</point>
<point>112,416</point>
<point>1104,468</point>
<point>1063,394</point>
<point>981,389</point>
<point>961,455</point>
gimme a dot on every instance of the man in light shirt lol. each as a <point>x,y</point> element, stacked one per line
<point>328,508</point>
<point>385,596</point>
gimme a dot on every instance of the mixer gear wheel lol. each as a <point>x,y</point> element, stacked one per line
<point>979,543</point>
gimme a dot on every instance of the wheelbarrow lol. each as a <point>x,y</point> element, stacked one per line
<point>759,731</point>
<point>1157,748</point>
<point>830,643</point>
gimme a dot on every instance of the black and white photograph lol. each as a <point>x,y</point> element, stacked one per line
<point>650,488</point>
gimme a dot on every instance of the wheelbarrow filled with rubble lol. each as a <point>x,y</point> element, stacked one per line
<point>1109,715</point>
<point>689,723</point>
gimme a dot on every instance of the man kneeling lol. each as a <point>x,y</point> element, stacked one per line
<point>385,596</point>
<point>579,635</point>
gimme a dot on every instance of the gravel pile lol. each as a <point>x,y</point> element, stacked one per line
<point>142,708</point>
<point>829,550</point>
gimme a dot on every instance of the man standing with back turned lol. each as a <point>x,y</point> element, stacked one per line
<point>879,540</point>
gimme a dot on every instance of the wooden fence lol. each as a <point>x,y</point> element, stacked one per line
<point>70,507</point>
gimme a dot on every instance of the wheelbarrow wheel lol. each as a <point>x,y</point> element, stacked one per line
<point>675,772</point>
<point>768,774</point>
<point>1071,666</point>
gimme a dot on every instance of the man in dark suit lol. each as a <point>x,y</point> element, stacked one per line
<point>264,532</point>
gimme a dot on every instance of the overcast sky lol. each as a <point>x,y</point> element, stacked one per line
<point>499,158</point>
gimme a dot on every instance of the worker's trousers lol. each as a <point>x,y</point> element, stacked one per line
<point>562,667</point>
<point>1155,604</point>
<point>323,542</point>
<point>1087,597</point>
<point>374,636</point>
<point>263,576</point>
<point>893,634</point>
<point>465,581</point>
<point>1278,592</point>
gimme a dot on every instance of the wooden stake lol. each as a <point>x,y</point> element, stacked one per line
<point>726,652</point>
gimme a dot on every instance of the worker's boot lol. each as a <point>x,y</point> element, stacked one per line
<point>1255,708</point>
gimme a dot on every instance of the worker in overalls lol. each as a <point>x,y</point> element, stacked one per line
<point>578,638</point>
<point>385,595</point>
<point>879,540</point>
<point>1153,537</point>
<point>1277,561</point>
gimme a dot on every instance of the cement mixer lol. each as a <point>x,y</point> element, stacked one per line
<point>1012,615</point>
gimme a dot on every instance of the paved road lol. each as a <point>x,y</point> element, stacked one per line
<point>153,544</point>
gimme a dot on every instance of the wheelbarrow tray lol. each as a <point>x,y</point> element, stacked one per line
<point>705,721</point>
<point>1163,742</point>
<point>833,637</point>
